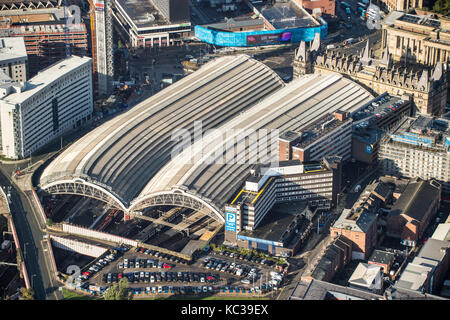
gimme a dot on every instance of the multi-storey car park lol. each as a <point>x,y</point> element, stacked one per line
<point>128,161</point>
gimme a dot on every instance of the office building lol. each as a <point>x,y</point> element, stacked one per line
<point>149,24</point>
<point>330,134</point>
<point>56,100</point>
<point>418,147</point>
<point>13,58</point>
<point>45,43</point>
<point>174,10</point>
<point>316,183</point>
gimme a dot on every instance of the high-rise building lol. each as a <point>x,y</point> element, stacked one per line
<point>418,147</point>
<point>56,100</point>
<point>101,28</point>
<point>157,23</point>
<point>174,10</point>
<point>13,58</point>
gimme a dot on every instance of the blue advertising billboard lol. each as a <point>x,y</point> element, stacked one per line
<point>259,38</point>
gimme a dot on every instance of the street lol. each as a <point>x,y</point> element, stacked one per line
<point>30,237</point>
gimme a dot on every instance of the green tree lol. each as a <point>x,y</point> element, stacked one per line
<point>49,222</point>
<point>26,294</point>
<point>118,291</point>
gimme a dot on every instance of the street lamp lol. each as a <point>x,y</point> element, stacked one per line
<point>32,280</point>
<point>25,249</point>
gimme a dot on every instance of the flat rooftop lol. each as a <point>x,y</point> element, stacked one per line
<point>319,128</point>
<point>228,23</point>
<point>423,131</point>
<point>205,15</point>
<point>142,13</point>
<point>12,49</point>
<point>275,223</point>
<point>286,16</point>
<point>321,290</point>
<point>381,256</point>
<point>45,77</point>
<point>39,29</point>
<point>376,110</point>
<point>420,20</point>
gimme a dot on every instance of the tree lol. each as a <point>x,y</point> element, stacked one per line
<point>26,294</point>
<point>49,222</point>
<point>118,291</point>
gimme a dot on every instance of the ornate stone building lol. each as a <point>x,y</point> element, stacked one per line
<point>427,89</point>
<point>416,39</point>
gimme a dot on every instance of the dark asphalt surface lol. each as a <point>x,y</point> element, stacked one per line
<point>30,237</point>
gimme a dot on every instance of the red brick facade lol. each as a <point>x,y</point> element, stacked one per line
<point>326,6</point>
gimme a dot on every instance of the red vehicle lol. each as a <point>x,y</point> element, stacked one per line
<point>167,266</point>
<point>142,250</point>
<point>120,276</point>
<point>210,278</point>
<point>86,273</point>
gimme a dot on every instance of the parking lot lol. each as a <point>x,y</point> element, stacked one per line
<point>151,272</point>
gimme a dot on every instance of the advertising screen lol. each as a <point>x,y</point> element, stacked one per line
<point>268,39</point>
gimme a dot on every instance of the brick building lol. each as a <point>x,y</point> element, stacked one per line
<point>329,134</point>
<point>382,259</point>
<point>412,212</point>
<point>359,224</point>
<point>334,256</point>
<point>327,7</point>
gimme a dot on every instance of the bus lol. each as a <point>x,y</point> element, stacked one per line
<point>361,5</point>
<point>362,12</point>
<point>344,5</point>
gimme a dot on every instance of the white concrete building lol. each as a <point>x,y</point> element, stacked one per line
<point>13,58</point>
<point>56,100</point>
<point>419,147</point>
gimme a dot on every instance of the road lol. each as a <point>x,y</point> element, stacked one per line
<point>30,236</point>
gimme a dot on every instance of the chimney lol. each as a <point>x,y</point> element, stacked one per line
<point>341,115</point>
